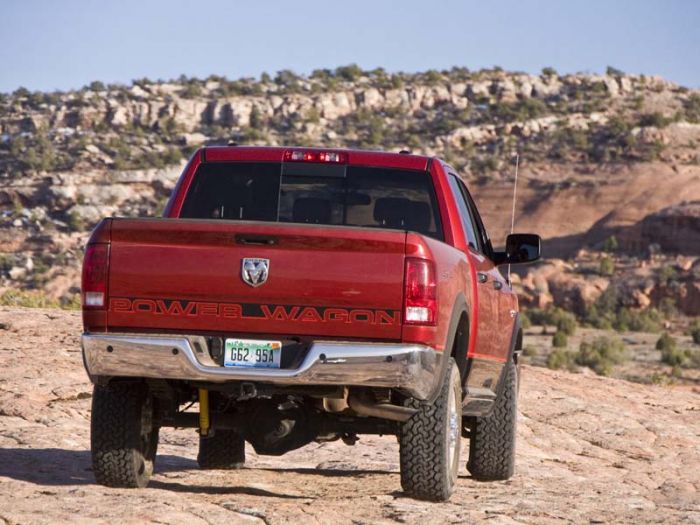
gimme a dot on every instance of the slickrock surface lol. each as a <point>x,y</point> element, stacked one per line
<point>591,450</point>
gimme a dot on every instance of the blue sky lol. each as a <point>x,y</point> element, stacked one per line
<point>50,45</point>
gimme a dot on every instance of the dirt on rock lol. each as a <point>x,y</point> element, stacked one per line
<point>590,450</point>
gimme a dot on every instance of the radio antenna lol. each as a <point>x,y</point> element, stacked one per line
<point>515,195</point>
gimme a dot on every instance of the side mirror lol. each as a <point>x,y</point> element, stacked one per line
<point>521,248</point>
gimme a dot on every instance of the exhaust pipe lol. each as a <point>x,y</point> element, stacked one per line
<point>380,410</point>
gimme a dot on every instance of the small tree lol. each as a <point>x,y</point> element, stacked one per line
<point>614,72</point>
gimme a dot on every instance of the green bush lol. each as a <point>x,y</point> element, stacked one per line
<point>76,223</point>
<point>666,342</point>
<point>606,267</point>
<point>694,331</point>
<point>564,321</point>
<point>601,355</point>
<point>350,72</point>
<point>607,313</point>
<point>530,351</point>
<point>692,108</point>
<point>649,320</point>
<point>27,299</point>
<point>560,339</point>
<point>610,244</point>
<point>561,359</point>
<point>673,356</point>
<point>655,119</point>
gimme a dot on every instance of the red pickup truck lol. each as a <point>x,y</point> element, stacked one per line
<point>299,295</point>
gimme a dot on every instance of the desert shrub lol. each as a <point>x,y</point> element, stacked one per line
<point>655,119</point>
<point>692,108</point>
<point>607,313</point>
<point>694,331</point>
<point>351,72</point>
<point>525,321</point>
<point>96,85</point>
<point>191,90</point>
<point>610,244</point>
<point>549,72</point>
<point>649,320</point>
<point>668,307</point>
<point>666,342</point>
<point>28,299</point>
<point>606,267</point>
<point>564,321</point>
<point>432,77</point>
<point>601,355</point>
<point>76,223</point>
<point>530,351</point>
<point>614,72</point>
<point>673,356</point>
<point>667,276</point>
<point>693,358</point>
<point>561,359</point>
<point>560,339</point>
<point>71,303</point>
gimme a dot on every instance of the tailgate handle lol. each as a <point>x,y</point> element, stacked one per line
<point>256,240</point>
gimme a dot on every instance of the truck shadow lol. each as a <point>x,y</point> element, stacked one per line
<point>62,467</point>
<point>56,466</point>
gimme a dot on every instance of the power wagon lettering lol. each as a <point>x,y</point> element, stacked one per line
<point>270,312</point>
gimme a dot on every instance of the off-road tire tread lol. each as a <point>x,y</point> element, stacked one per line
<point>224,450</point>
<point>422,458</point>
<point>492,441</point>
<point>116,435</point>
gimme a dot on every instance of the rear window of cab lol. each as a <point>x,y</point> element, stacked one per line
<point>315,193</point>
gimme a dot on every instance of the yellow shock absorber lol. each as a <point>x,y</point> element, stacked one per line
<point>204,423</point>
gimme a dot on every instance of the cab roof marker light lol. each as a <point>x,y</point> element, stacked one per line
<point>333,157</point>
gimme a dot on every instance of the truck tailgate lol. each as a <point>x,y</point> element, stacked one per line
<point>186,275</point>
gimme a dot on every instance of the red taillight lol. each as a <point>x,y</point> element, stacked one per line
<point>95,275</point>
<point>420,295</point>
<point>315,156</point>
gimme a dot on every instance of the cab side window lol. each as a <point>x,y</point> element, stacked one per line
<point>470,231</point>
<point>487,249</point>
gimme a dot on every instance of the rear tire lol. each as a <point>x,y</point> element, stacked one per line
<point>225,450</point>
<point>430,442</point>
<point>492,441</point>
<point>123,438</point>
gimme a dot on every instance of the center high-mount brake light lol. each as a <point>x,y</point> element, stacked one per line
<point>420,295</point>
<point>95,274</point>
<point>315,156</point>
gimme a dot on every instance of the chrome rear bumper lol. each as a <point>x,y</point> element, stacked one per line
<point>412,368</point>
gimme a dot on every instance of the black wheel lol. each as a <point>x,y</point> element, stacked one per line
<point>225,449</point>
<point>430,442</point>
<point>123,438</point>
<point>492,438</point>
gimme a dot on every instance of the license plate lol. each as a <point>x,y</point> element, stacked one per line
<point>252,353</point>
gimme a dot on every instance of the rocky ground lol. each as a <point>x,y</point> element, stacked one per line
<point>591,450</point>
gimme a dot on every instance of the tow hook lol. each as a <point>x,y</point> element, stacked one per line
<point>204,423</point>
